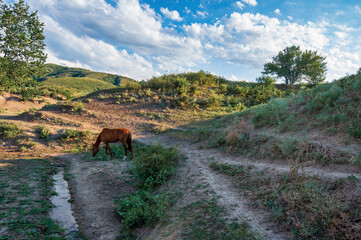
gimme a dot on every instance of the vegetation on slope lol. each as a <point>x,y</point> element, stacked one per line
<point>57,71</point>
<point>285,128</point>
<point>79,85</point>
<point>198,90</point>
<point>308,207</point>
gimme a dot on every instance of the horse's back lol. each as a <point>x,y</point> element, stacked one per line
<point>114,134</point>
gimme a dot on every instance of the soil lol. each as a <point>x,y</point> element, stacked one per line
<point>96,184</point>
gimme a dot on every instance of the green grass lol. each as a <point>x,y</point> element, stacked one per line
<point>43,132</point>
<point>308,207</point>
<point>334,107</point>
<point>154,164</point>
<point>143,208</point>
<point>9,130</point>
<point>205,219</point>
<point>25,190</point>
<point>80,85</point>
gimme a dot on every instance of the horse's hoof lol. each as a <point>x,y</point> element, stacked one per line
<point>124,157</point>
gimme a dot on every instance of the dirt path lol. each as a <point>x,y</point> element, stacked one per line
<point>94,184</point>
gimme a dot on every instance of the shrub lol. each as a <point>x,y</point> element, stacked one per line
<point>29,93</point>
<point>78,107</point>
<point>9,130</point>
<point>142,208</point>
<point>74,134</point>
<point>43,132</point>
<point>154,165</point>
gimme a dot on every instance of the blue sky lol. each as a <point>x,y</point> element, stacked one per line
<point>233,39</point>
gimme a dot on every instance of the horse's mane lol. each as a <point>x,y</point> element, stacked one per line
<point>97,142</point>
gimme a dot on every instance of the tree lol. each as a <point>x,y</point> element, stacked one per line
<point>296,66</point>
<point>21,45</point>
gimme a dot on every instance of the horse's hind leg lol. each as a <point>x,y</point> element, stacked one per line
<point>129,142</point>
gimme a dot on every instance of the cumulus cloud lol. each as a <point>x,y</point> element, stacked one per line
<point>129,39</point>
<point>253,39</point>
<point>277,11</point>
<point>250,2</point>
<point>92,53</point>
<point>239,5</point>
<point>174,15</point>
<point>202,14</point>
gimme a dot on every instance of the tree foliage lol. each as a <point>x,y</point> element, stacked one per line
<point>295,66</point>
<point>21,45</point>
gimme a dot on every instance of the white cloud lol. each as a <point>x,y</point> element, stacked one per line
<point>239,5</point>
<point>91,53</point>
<point>250,2</point>
<point>174,15</point>
<point>130,40</point>
<point>358,9</point>
<point>202,14</point>
<point>277,11</point>
<point>253,39</point>
<point>234,78</point>
<point>187,10</point>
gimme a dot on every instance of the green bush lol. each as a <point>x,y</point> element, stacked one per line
<point>74,134</point>
<point>142,208</point>
<point>9,130</point>
<point>29,93</point>
<point>154,165</point>
<point>78,107</point>
<point>43,132</point>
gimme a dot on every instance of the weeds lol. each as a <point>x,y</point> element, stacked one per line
<point>154,165</point>
<point>43,132</point>
<point>306,206</point>
<point>9,130</point>
<point>142,208</point>
<point>25,189</point>
<point>207,221</point>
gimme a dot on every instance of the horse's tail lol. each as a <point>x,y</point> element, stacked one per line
<point>129,142</point>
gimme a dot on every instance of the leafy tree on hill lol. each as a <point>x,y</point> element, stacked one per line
<point>21,45</point>
<point>294,66</point>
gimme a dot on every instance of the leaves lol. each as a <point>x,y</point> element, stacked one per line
<point>295,66</point>
<point>21,45</point>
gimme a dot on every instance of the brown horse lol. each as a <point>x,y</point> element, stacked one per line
<point>108,135</point>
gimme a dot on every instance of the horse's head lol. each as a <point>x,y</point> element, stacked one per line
<point>95,150</point>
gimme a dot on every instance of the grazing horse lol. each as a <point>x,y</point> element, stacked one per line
<point>108,135</point>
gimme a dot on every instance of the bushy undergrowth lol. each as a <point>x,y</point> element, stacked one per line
<point>75,135</point>
<point>332,106</point>
<point>198,90</point>
<point>32,92</point>
<point>205,219</point>
<point>9,130</point>
<point>152,166</point>
<point>142,208</point>
<point>307,206</point>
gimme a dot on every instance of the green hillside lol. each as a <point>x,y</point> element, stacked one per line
<point>79,85</point>
<point>57,71</point>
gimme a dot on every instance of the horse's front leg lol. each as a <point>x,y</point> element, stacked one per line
<point>125,150</point>
<point>107,147</point>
